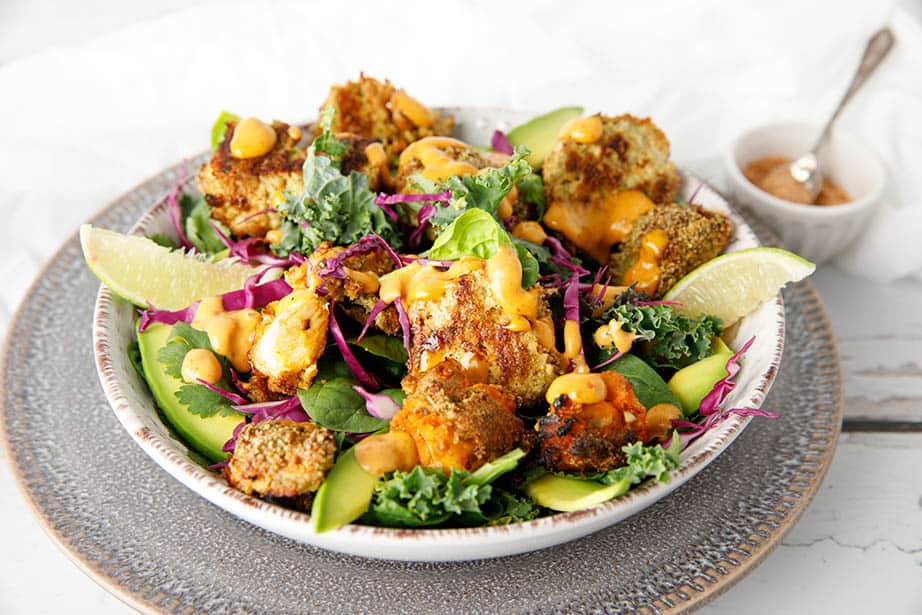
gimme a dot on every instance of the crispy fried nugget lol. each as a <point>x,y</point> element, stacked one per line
<point>239,189</point>
<point>439,158</point>
<point>575,437</point>
<point>631,154</point>
<point>380,111</point>
<point>457,424</point>
<point>695,235</point>
<point>242,192</point>
<point>468,324</point>
<point>281,458</point>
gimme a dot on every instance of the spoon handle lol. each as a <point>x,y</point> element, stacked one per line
<point>878,47</point>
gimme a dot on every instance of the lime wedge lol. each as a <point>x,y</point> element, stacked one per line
<point>732,285</point>
<point>147,274</point>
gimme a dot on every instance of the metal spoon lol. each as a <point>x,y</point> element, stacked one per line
<point>804,170</point>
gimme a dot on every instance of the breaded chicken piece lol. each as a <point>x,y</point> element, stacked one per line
<point>630,154</point>
<point>380,111</point>
<point>238,189</point>
<point>693,236</point>
<point>280,458</point>
<point>456,423</point>
<point>575,437</point>
<point>291,336</point>
<point>468,324</point>
<point>438,158</point>
<point>242,192</point>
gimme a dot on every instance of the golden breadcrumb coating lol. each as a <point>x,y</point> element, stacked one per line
<point>575,437</point>
<point>631,154</point>
<point>379,111</point>
<point>281,458</point>
<point>456,423</point>
<point>468,324</point>
<point>696,235</point>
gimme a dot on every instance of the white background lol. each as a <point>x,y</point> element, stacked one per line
<point>96,96</point>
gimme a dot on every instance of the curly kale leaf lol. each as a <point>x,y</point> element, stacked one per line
<point>673,340</point>
<point>427,497</point>
<point>327,143</point>
<point>333,207</point>
<point>643,462</point>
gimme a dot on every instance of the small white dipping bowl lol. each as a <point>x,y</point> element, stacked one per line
<point>815,232</point>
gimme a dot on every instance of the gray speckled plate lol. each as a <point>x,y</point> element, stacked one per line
<point>159,546</point>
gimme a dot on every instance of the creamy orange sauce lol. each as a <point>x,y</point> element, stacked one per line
<point>544,331</point>
<point>231,333</point>
<point>252,138</point>
<point>437,164</point>
<point>417,283</point>
<point>596,226</point>
<point>581,388</point>
<point>505,277</point>
<point>387,452</point>
<point>376,155</point>
<point>646,272</point>
<point>529,231</point>
<point>659,420</point>
<point>582,129</point>
<point>200,363</point>
<point>572,340</point>
<point>613,335</point>
<point>608,298</point>
<point>368,279</point>
<point>413,109</point>
<point>507,205</point>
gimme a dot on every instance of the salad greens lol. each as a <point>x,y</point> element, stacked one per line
<point>202,401</point>
<point>648,385</point>
<point>220,128</point>
<point>334,404</point>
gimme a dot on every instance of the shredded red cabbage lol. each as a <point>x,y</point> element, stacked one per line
<point>404,320</point>
<point>710,405</point>
<point>510,222</point>
<point>364,378</point>
<point>501,143</point>
<point>287,409</point>
<point>423,216</point>
<point>562,258</point>
<point>379,405</point>
<point>231,397</point>
<point>333,267</point>
<point>426,261</point>
<point>608,361</point>
<point>261,212</point>
<point>250,296</point>
<point>393,199</point>
<point>695,193</point>
<point>247,250</point>
<point>378,307</point>
<point>176,210</point>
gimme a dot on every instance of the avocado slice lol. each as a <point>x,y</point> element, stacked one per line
<point>204,435</point>
<point>568,494</point>
<point>691,384</point>
<point>344,495</point>
<point>539,134</point>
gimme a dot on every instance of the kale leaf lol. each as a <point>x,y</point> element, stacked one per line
<point>327,143</point>
<point>197,223</point>
<point>672,340</point>
<point>643,462</point>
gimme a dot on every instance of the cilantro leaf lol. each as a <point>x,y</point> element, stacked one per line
<point>203,401</point>
<point>183,338</point>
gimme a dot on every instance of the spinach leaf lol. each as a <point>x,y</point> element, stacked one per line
<point>335,405</point>
<point>384,346</point>
<point>649,387</point>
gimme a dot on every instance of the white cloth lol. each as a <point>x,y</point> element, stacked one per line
<point>86,121</point>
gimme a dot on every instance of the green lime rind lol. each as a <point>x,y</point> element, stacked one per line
<point>147,274</point>
<point>733,285</point>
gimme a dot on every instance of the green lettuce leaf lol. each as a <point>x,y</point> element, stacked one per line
<point>197,222</point>
<point>219,129</point>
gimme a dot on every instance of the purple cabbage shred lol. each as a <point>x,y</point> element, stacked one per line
<point>500,143</point>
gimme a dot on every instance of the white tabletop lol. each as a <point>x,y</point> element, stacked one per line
<point>857,549</point>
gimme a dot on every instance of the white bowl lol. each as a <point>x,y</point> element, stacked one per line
<point>113,329</point>
<point>814,232</point>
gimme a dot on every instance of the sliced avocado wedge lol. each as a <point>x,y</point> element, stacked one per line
<point>568,494</point>
<point>344,495</point>
<point>204,435</point>
<point>540,133</point>
<point>690,384</point>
